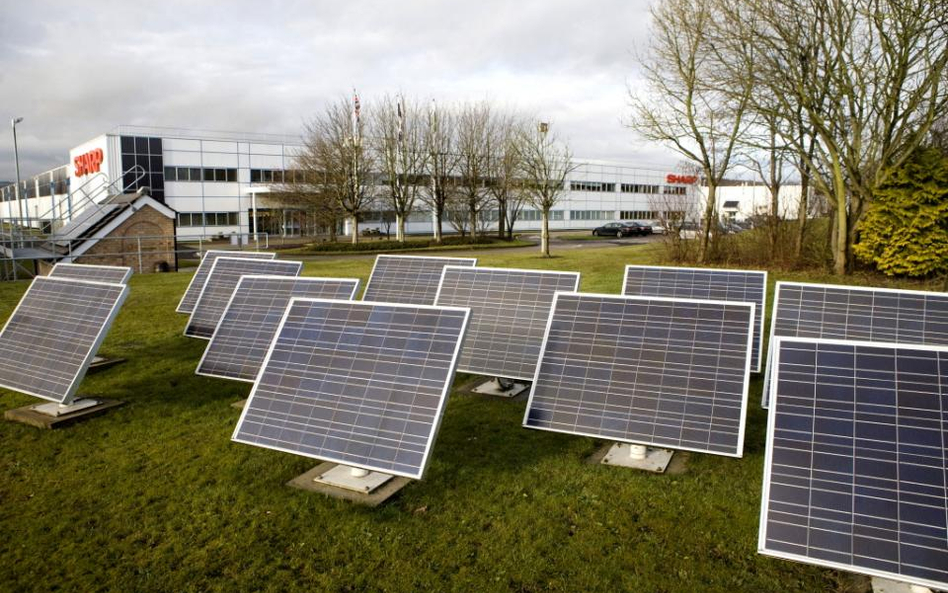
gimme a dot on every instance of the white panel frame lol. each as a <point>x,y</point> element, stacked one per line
<point>65,265</point>
<point>100,337</point>
<point>761,318</point>
<point>475,269</point>
<point>744,397</point>
<point>210,274</point>
<point>393,255</point>
<point>768,458</point>
<point>197,370</point>
<point>194,276</point>
<point>439,413</point>
<point>764,396</point>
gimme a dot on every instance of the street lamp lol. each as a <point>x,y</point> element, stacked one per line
<point>16,158</point>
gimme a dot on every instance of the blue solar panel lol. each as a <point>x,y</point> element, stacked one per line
<point>855,473</point>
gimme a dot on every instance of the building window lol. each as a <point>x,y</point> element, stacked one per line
<point>529,215</point>
<point>598,186</point>
<point>675,190</point>
<point>267,176</point>
<point>592,215</point>
<point>638,188</point>
<point>140,151</point>
<point>638,215</point>
<point>192,219</point>
<point>198,174</point>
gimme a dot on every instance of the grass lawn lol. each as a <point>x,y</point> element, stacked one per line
<point>154,496</point>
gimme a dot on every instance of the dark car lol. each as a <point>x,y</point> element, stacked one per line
<point>622,229</point>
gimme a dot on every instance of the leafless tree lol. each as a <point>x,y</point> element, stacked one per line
<point>504,170</point>
<point>304,187</point>
<point>473,146</point>
<point>765,155</point>
<point>440,142</point>
<point>335,158</point>
<point>867,78</point>
<point>684,104</point>
<point>545,163</point>
<point>398,135</point>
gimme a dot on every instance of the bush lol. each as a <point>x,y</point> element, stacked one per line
<point>370,245</point>
<point>905,230</point>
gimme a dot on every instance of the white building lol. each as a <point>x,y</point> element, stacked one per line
<point>218,183</point>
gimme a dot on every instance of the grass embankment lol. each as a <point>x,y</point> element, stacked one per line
<point>154,496</point>
<point>374,245</point>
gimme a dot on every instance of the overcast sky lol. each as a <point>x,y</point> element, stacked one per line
<point>76,70</point>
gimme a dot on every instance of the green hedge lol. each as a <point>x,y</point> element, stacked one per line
<point>369,244</point>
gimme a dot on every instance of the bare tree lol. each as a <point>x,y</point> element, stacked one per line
<point>504,169</point>
<point>398,137</point>
<point>304,187</point>
<point>766,156</point>
<point>440,142</point>
<point>868,78</point>
<point>473,146</point>
<point>545,163</point>
<point>335,158</point>
<point>685,105</point>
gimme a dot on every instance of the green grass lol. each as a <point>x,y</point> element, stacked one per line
<point>154,496</point>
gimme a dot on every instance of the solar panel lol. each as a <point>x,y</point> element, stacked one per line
<point>250,320</point>
<point>854,473</point>
<point>747,286</point>
<point>357,383</point>
<point>645,370</point>
<point>220,284</point>
<point>190,297</point>
<point>410,279</point>
<point>856,313</point>
<point>53,334</point>
<point>509,311</point>
<point>109,274</point>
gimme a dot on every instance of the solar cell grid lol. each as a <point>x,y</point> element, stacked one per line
<point>357,383</point>
<point>221,281</point>
<point>854,474</point>
<point>250,320</point>
<point>410,279</point>
<point>856,313</point>
<point>645,370</point>
<point>704,283</point>
<point>48,342</point>
<point>110,274</point>
<point>509,311</point>
<point>190,296</point>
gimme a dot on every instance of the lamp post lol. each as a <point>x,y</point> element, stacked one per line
<point>16,158</point>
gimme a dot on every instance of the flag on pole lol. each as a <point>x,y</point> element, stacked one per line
<point>400,111</point>
<point>356,108</point>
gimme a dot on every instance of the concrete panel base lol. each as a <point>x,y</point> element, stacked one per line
<point>35,417</point>
<point>310,481</point>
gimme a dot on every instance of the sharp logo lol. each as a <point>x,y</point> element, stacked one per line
<point>686,179</point>
<point>89,162</point>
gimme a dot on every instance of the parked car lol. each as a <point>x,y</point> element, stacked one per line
<point>658,227</point>
<point>621,229</point>
<point>692,230</point>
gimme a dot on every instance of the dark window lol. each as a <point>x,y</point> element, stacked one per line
<point>231,174</point>
<point>154,146</point>
<point>141,145</point>
<point>128,145</point>
<point>171,173</point>
<point>255,176</point>
<point>208,174</point>
<point>195,174</point>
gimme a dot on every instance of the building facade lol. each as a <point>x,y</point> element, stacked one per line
<point>220,183</point>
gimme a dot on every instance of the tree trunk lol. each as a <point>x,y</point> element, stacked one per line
<point>841,248</point>
<point>774,221</point>
<point>400,228</point>
<point>501,217</point>
<point>354,221</point>
<point>545,234</point>
<point>439,219</point>
<point>708,220</point>
<point>472,216</point>
<point>802,209</point>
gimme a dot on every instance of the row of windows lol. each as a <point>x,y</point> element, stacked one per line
<point>208,218</point>
<point>267,175</point>
<point>592,215</point>
<point>592,186</point>
<point>200,174</point>
<point>534,215</point>
<point>141,145</point>
<point>638,188</point>
<point>675,190</point>
<point>638,215</point>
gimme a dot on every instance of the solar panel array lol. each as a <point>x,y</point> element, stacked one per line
<point>110,274</point>
<point>747,286</point>
<point>243,336</point>
<point>410,279</point>
<point>220,284</point>
<point>509,311</point>
<point>361,384</point>
<point>856,455</point>
<point>646,370</point>
<point>190,297</point>
<point>51,337</point>
<point>857,313</point>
